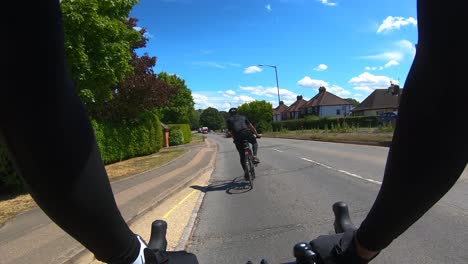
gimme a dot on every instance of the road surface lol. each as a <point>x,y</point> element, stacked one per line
<point>297,183</point>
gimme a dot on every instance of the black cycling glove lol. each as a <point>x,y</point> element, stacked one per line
<point>169,257</point>
<point>337,249</point>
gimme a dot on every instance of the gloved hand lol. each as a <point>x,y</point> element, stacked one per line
<point>337,249</point>
<point>169,257</point>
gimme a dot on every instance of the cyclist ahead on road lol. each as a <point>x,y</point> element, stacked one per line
<point>241,129</point>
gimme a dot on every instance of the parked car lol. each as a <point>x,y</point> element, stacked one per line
<point>388,118</point>
<point>205,130</point>
<point>228,134</point>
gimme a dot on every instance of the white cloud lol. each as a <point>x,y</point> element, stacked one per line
<point>230,92</point>
<point>200,100</point>
<point>321,67</point>
<point>402,49</point>
<point>338,90</point>
<point>268,7</point>
<point>325,2</point>
<point>233,64</point>
<point>148,35</point>
<point>207,99</point>
<point>390,23</point>
<point>269,92</point>
<point>210,64</point>
<point>367,82</point>
<point>406,47</point>
<point>391,63</point>
<point>385,56</point>
<point>359,97</point>
<point>311,83</point>
<point>137,28</point>
<point>252,69</point>
<point>243,99</point>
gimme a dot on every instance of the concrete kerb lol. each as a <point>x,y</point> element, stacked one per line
<point>83,254</point>
<point>187,234</point>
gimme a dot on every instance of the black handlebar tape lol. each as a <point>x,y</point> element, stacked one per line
<point>158,236</point>
<point>342,219</point>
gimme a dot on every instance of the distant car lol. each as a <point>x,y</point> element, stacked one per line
<point>204,130</point>
<point>228,134</point>
<point>388,118</point>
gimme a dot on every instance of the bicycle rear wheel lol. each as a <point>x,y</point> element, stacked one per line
<point>249,169</point>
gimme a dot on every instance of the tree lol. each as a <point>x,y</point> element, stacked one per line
<point>260,114</point>
<point>140,91</point>
<point>98,46</point>
<point>212,119</point>
<point>225,115</point>
<point>195,119</point>
<point>180,106</point>
<point>352,101</point>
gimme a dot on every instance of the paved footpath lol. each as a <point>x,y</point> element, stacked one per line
<point>32,237</point>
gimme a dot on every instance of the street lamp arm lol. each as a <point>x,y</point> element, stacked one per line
<point>276,75</point>
<point>273,66</point>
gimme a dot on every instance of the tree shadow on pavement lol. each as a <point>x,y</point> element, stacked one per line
<point>236,186</point>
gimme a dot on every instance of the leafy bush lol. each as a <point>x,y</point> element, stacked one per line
<point>263,126</point>
<point>185,129</point>
<point>176,137</point>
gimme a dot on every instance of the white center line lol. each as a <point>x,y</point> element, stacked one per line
<point>278,150</point>
<point>343,171</point>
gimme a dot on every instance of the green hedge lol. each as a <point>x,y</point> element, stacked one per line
<point>116,141</point>
<point>325,122</point>
<point>176,137</point>
<point>186,131</point>
<point>120,141</point>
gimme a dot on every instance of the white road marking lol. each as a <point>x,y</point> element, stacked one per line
<point>343,171</point>
<point>278,150</point>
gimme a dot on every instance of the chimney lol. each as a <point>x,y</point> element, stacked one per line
<point>322,89</point>
<point>394,89</point>
<point>299,97</point>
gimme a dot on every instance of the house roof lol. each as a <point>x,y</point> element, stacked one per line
<point>297,105</point>
<point>280,109</point>
<point>325,98</point>
<point>378,99</point>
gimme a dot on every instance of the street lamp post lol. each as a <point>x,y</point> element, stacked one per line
<point>276,74</point>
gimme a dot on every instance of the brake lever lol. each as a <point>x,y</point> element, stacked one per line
<point>158,241</point>
<point>342,221</point>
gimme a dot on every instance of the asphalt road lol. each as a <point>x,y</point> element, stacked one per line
<point>297,183</point>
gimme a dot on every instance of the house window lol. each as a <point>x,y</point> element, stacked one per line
<point>338,112</point>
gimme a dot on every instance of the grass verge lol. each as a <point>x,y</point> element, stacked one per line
<point>12,205</point>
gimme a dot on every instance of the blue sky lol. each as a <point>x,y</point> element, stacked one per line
<point>349,46</point>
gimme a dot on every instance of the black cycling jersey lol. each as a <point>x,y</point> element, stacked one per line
<point>426,157</point>
<point>50,139</point>
<point>237,123</point>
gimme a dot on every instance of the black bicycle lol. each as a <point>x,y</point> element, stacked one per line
<point>301,251</point>
<point>249,162</point>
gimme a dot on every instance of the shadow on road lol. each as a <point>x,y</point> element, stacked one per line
<point>236,186</point>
